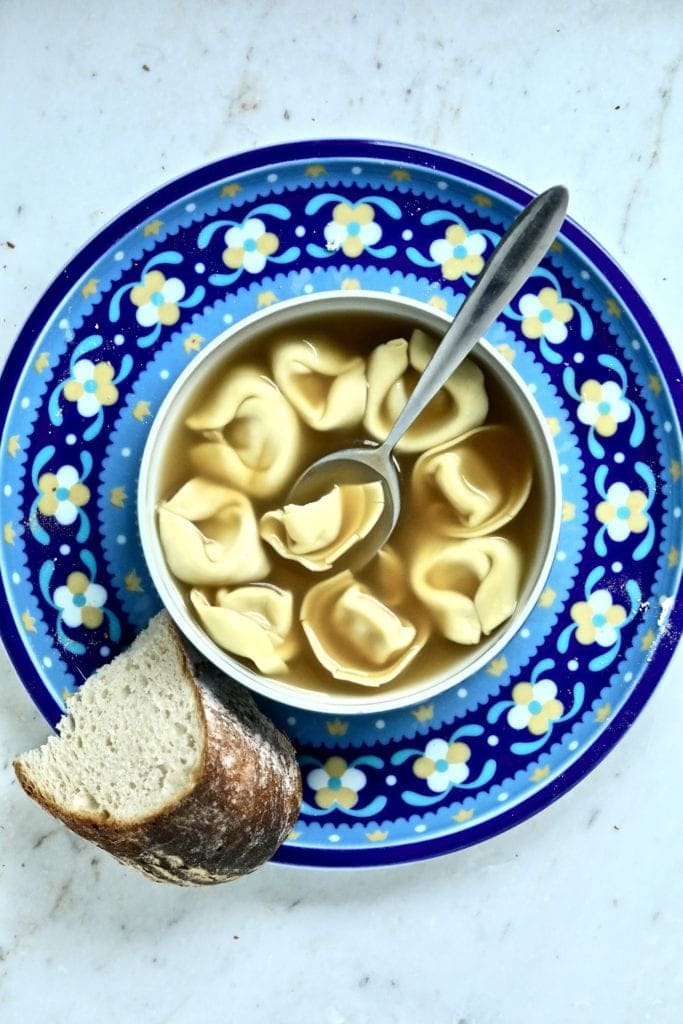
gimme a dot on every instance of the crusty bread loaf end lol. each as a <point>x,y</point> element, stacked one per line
<point>169,766</point>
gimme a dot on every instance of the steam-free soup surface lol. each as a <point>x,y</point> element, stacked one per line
<point>392,581</point>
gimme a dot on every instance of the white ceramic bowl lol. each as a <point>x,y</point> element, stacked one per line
<point>316,309</point>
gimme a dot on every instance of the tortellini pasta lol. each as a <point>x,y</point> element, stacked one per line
<point>470,586</point>
<point>475,484</point>
<point>254,622</point>
<point>209,535</point>
<point>318,533</point>
<point>263,577</point>
<point>387,577</point>
<point>393,369</point>
<point>252,435</point>
<point>326,385</point>
<point>355,635</point>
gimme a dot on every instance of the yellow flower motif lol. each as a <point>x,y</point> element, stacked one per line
<point>463,815</point>
<point>91,387</point>
<point>133,583</point>
<point>424,713</point>
<point>602,406</point>
<point>622,511</point>
<point>118,497</point>
<point>80,601</point>
<point>193,342</point>
<point>153,228</point>
<point>337,727</point>
<point>90,287</point>
<point>497,666</point>
<point>544,315</point>
<point>336,783</point>
<point>443,764</point>
<point>62,494</point>
<point>28,622</point>
<point>603,713</point>
<point>141,411</point>
<point>352,229</point>
<point>157,299</point>
<point>249,245</point>
<point>459,252</point>
<point>598,619</point>
<point>536,706</point>
<point>568,511</point>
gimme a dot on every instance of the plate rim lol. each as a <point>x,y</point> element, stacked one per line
<point>594,252</point>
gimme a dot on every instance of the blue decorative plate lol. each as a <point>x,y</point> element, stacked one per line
<point>115,329</point>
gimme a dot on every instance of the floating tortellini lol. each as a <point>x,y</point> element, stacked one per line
<point>268,581</point>
<point>252,435</point>
<point>392,372</point>
<point>470,586</point>
<point>325,384</point>
<point>255,622</point>
<point>475,484</point>
<point>387,578</point>
<point>209,535</point>
<point>318,533</point>
<point>355,635</point>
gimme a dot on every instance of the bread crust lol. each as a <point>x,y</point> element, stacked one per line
<point>244,801</point>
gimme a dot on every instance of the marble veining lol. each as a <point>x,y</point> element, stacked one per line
<point>665,95</point>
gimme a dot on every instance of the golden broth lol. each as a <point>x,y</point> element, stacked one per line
<point>356,333</point>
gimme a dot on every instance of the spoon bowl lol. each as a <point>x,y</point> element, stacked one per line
<point>362,465</point>
<point>517,254</point>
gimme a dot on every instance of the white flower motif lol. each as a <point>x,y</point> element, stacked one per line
<point>536,706</point>
<point>62,494</point>
<point>622,511</point>
<point>249,245</point>
<point>598,619</point>
<point>603,406</point>
<point>336,783</point>
<point>91,387</point>
<point>352,229</point>
<point>80,601</point>
<point>458,252</point>
<point>157,299</point>
<point>545,315</point>
<point>443,765</point>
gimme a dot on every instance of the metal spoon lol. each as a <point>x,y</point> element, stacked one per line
<point>518,252</point>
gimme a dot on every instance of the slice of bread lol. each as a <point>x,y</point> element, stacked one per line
<point>169,766</point>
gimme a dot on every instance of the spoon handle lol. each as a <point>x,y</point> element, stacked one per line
<point>518,252</point>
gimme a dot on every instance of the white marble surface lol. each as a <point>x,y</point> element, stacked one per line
<point>574,916</point>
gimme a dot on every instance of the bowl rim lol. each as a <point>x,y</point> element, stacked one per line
<point>369,700</point>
